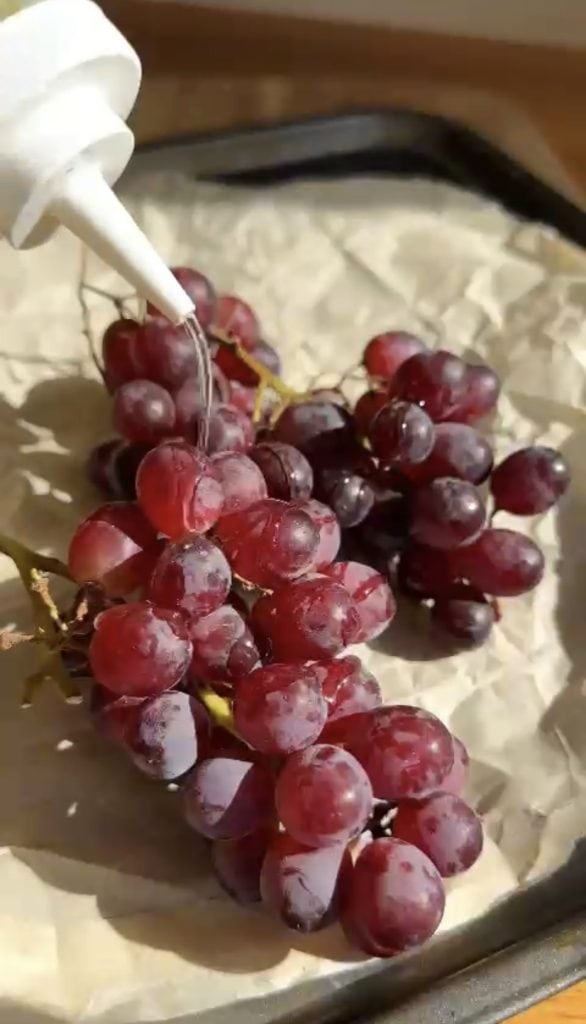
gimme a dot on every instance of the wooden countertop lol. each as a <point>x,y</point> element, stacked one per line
<point>568,1007</point>
<point>206,70</point>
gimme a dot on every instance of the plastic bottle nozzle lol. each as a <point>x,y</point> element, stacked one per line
<point>86,204</point>
<point>68,80</point>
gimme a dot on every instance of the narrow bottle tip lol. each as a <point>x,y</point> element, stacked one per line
<point>86,204</point>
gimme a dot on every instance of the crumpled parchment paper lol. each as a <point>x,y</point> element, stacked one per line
<point>108,912</point>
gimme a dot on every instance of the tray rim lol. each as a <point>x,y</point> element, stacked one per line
<point>357,130</point>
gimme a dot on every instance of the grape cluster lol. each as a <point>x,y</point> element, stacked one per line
<point>434,533</point>
<point>406,473</point>
<point>220,656</point>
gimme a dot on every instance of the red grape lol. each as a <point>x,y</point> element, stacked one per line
<point>405,751</point>
<point>384,531</point>
<point>115,547</point>
<point>434,380</point>
<point>503,563</point>
<point>280,708</point>
<point>446,513</point>
<point>287,472</point>
<point>401,433</point>
<point>114,717</point>
<point>455,780</point>
<point>235,318</point>
<point>242,481</point>
<point>329,532</point>
<point>367,407</point>
<point>392,899</point>
<point>143,411</point>
<point>188,400</point>
<point>445,828</point>
<point>458,451</point>
<point>238,862</point>
<point>268,542</point>
<point>193,576</point>
<point>164,741</point>
<point>223,646</point>
<point>481,392</point>
<point>323,796</point>
<point>305,423</point>
<point>371,594</point>
<point>425,572</point>
<point>165,354</point>
<point>385,353</point>
<point>349,495</point>
<point>178,489</point>
<point>227,797</point>
<point>119,353</point>
<point>200,291</point>
<point>138,650</point>
<point>307,619</point>
<point>229,430</point>
<point>301,884</point>
<point>347,686</point>
<point>530,481</point>
<point>464,615</point>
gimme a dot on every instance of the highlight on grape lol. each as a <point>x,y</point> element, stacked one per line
<point>220,593</point>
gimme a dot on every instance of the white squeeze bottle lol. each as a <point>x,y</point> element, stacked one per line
<point>68,81</point>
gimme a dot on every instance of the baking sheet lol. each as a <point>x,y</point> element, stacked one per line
<point>107,908</point>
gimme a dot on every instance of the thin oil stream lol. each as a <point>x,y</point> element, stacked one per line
<point>195,331</point>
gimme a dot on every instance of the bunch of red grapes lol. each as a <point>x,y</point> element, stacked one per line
<point>218,617</point>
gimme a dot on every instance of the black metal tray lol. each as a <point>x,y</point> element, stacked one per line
<point>403,143</point>
<point>533,943</point>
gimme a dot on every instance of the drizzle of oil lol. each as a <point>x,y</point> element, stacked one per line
<point>195,331</point>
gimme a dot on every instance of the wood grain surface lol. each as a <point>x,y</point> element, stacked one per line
<point>207,69</point>
<point>568,1007</point>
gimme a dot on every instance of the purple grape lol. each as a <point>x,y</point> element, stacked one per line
<point>164,742</point>
<point>445,828</point>
<point>323,796</point>
<point>503,563</point>
<point>144,411</point>
<point>458,451</point>
<point>530,481</point>
<point>464,615</point>
<point>406,751</point>
<point>434,380</point>
<point>227,797</point>
<point>401,434</point>
<point>300,883</point>
<point>287,472</point>
<point>392,899</point>
<point>481,391</point>
<point>349,495</point>
<point>304,424</point>
<point>446,513</point>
